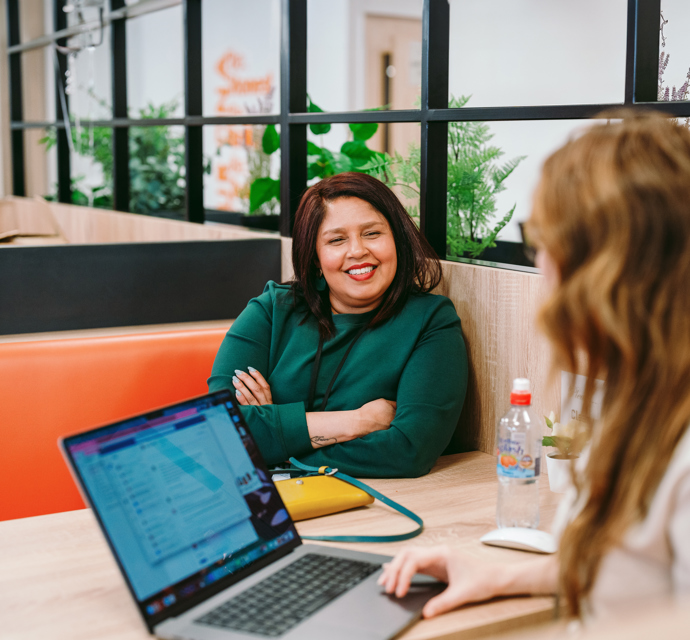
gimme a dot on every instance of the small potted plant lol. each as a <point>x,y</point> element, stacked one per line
<point>568,442</point>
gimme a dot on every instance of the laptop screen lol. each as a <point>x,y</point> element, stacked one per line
<point>183,496</point>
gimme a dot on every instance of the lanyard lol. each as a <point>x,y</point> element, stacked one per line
<point>317,366</point>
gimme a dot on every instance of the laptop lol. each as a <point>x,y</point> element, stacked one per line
<point>205,543</point>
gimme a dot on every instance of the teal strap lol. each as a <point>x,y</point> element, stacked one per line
<point>372,492</point>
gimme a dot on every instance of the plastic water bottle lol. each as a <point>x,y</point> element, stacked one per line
<point>518,451</point>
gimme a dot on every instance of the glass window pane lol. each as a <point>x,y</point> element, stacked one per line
<point>241,56</point>
<point>92,167</point>
<point>522,146</point>
<point>244,174</point>
<point>155,71</point>
<point>338,148</point>
<point>674,58</point>
<point>38,85</point>
<point>40,162</point>
<point>364,55</point>
<point>157,171</point>
<point>89,80</point>
<point>507,53</point>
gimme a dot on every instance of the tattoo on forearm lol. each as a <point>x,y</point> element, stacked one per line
<point>322,441</point>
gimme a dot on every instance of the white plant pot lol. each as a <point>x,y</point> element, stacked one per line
<point>558,468</point>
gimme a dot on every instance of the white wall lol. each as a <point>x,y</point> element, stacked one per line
<point>329,62</point>
<point>155,59</point>
<point>504,52</point>
<point>533,52</point>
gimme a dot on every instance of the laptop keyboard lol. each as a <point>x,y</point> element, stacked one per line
<point>277,604</point>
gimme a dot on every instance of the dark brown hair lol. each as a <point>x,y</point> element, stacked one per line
<point>419,269</point>
<point>613,212</point>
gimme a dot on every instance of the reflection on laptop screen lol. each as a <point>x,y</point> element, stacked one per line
<point>183,497</point>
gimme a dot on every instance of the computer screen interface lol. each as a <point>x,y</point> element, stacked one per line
<point>184,497</point>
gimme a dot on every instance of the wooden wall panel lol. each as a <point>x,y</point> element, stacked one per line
<point>82,225</point>
<point>497,308</point>
<point>286,270</point>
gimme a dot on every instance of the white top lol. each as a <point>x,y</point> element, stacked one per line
<point>653,561</point>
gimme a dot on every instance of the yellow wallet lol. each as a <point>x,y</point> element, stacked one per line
<point>314,496</point>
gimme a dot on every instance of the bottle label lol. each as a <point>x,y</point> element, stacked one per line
<point>513,460</point>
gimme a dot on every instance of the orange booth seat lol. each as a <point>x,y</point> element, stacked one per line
<point>52,388</point>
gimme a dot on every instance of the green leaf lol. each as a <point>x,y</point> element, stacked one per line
<point>375,164</point>
<point>340,163</point>
<point>549,424</point>
<point>358,152</point>
<point>315,168</point>
<point>103,202</point>
<point>263,190</point>
<point>364,130</point>
<point>313,149</point>
<point>317,129</point>
<point>80,198</point>
<point>562,443</point>
<point>270,142</point>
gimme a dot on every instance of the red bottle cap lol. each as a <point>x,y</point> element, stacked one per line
<point>520,397</point>
<point>521,392</point>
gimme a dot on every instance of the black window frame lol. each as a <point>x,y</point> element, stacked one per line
<point>641,77</point>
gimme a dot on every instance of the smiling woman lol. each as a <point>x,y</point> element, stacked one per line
<point>353,230</point>
<point>354,364</point>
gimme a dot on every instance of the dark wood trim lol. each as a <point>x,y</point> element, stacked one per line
<point>121,177</point>
<point>293,98</point>
<point>16,99</point>
<point>64,161</point>
<point>647,22</point>
<point>194,143</point>
<point>434,135</point>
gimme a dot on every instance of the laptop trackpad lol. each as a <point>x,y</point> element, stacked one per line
<point>367,613</point>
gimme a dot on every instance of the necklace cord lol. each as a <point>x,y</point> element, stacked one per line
<point>317,366</point>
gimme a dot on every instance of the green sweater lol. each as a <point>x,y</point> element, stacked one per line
<point>416,358</point>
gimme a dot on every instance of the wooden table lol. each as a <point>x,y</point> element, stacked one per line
<point>58,579</point>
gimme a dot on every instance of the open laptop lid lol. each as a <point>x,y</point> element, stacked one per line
<point>184,499</point>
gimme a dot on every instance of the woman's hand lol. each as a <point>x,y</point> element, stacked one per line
<point>376,415</point>
<point>468,579</point>
<point>251,388</point>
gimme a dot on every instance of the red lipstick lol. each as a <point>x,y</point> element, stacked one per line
<point>361,276</point>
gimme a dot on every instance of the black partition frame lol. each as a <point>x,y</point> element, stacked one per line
<point>642,55</point>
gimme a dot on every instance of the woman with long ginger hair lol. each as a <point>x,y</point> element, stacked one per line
<point>611,225</point>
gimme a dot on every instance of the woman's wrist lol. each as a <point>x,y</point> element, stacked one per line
<point>534,577</point>
<point>332,427</point>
